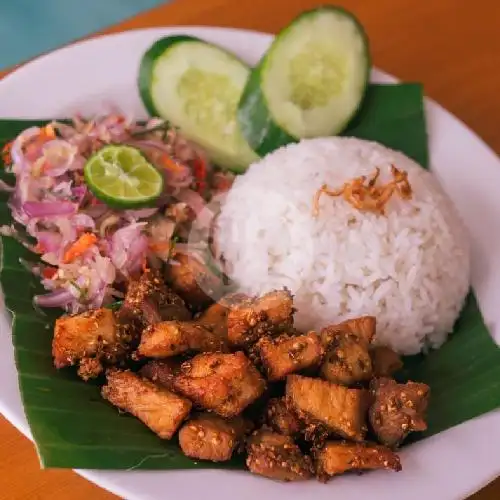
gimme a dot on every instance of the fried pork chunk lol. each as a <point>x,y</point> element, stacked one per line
<point>363,327</point>
<point>279,418</point>
<point>398,409</point>
<point>160,409</point>
<point>288,354</point>
<point>86,338</point>
<point>336,408</point>
<point>223,383</point>
<point>214,318</point>
<point>170,338</point>
<point>161,372</point>
<point>148,301</point>
<point>385,361</point>
<point>347,359</point>
<point>192,280</point>
<point>253,318</point>
<point>90,368</point>
<point>210,437</point>
<point>336,457</point>
<point>277,457</point>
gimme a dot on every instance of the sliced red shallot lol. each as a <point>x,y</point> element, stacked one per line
<point>48,208</point>
<point>57,298</point>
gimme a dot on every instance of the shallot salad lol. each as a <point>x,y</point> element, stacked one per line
<point>87,250</point>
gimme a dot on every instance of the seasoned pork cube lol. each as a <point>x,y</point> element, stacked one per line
<point>252,319</point>
<point>231,299</point>
<point>193,280</point>
<point>210,437</point>
<point>347,359</point>
<point>148,301</point>
<point>385,361</point>
<point>288,354</point>
<point>150,290</point>
<point>336,457</point>
<point>223,383</point>
<point>161,410</point>
<point>84,335</point>
<point>340,410</point>
<point>170,338</point>
<point>215,319</point>
<point>161,372</point>
<point>277,457</point>
<point>280,418</point>
<point>363,327</point>
<point>347,344</point>
<point>398,409</point>
<point>90,368</point>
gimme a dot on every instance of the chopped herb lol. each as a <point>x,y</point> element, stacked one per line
<point>115,305</point>
<point>165,127</point>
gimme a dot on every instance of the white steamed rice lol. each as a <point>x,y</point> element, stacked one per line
<point>409,268</point>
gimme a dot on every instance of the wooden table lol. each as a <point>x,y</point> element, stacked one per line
<point>451,46</point>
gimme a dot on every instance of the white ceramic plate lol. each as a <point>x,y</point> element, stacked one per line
<point>87,76</point>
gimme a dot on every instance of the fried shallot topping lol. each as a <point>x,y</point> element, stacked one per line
<point>364,195</point>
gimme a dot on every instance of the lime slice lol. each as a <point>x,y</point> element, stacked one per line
<point>121,177</point>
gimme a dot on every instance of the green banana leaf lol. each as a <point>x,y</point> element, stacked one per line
<point>74,427</point>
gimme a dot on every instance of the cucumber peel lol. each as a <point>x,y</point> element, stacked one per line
<point>310,83</point>
<point>196,86</point>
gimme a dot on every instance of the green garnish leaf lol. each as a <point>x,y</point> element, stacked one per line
<point>394,116</point>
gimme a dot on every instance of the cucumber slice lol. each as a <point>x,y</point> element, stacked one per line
<point>197,87</point>
<point>310,83</point>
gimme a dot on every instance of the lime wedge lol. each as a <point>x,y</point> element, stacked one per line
<point>121,177</point>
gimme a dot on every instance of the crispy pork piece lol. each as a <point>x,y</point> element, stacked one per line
<point>193,280</point>
<point>234,298</point>
<point>336,457</point>
<point>338,409</point>
<point>161,410</point>
<point>151,290</point>
<point>398,409</point>
<point>385,361</point>
<point>281,419</point>
<point>277,457</point>
<point>347,359</point>
<point>363,327</point>
<point>162,372</point>
<point>170,338</point>
<point>215,319</point>
<point>288,354</point>
<point>90,368</point>
<point>251,319</point>
<point>223,383</point>
<point>148,301</point>
<point>210,437</point>
<point>86,338</point>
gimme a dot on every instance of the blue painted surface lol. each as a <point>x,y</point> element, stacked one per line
<point>31,27</point>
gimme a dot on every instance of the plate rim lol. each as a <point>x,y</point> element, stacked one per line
<point>94,476</point>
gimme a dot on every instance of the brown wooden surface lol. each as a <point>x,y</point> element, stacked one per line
<point>452,46</point>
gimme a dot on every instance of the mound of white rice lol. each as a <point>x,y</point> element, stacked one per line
<point>409,268</point>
